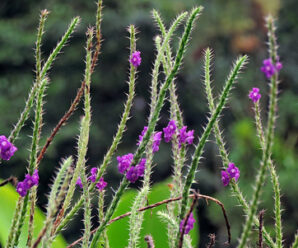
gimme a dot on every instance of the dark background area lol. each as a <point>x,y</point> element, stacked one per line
<point>230,28</point>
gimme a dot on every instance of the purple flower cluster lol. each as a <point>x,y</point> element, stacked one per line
<point>189,224</point>
<point>7,149</point>
<point>124,162</point>
<point>231,172</point>
<point>254,94</point>
<point>184,136</point>
<point>269,68</point>
<point>169,131</point>
<point>135,58</point>
<point>100,185</point>
<point>28,183</point>
<point>156,139</point>
<point>132,172</point>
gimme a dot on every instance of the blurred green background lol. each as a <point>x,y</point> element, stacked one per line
<point>229,27</point>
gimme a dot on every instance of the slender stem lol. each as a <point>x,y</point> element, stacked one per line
<point>199,148</point>
<point>14,222</point>
<point>221,144</point>
<point>261,215</point>
<point>268,145</point>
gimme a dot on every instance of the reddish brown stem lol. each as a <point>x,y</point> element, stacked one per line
<point>13,180</point>
<point>261,216</point>
<point>206,197</point>
<point>212,240</point>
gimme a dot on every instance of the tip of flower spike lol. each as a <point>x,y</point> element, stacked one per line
<point>136,59</point>
<point>254,94</point>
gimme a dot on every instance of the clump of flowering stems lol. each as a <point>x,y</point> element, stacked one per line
<point>138,165</point>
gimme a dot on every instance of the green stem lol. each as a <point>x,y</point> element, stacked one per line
<point>199,148</point>
<point>110,212</point>
<point>274,177</point>
<point>220,142</point>
<point>14,222</point>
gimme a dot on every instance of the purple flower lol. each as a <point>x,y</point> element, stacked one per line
<point>185,137</point>
<point>254,94</point>
<point>278,66</point>
<point>28,181</point>
<point>135,58</point>
<point>132,174</point>
<point>7,149</point>
<point>142,135</point>
<point>268,68</point>
<point>189,224</point>
<point>124,162</point>
<point>35,177</point>
<point>169,131</point>
<point>93,172</point>
<point>225,178</point>
<point>79,182</point>
<point>156,141</point>
<point>233,171</point>
<point>31,181</point>
<point>22,189</point>
<point>101,184</point>
<point>141,167</point>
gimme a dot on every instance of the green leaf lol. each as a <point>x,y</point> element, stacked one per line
<point>9,197</point>
<point>118,231</point>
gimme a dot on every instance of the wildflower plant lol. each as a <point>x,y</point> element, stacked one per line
<point>138,165</point>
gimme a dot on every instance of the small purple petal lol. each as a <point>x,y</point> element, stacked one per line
<point>28,182</point>
<point>225,178</point>
<point>101,184</point>
<point>185,137</point>
<point>132,174</point>
<point>156,141</point>
<point>93,171</point>
<point>124,162</point>
<point>233,171</point>
<point>189,224</point>
<point>141,167</point>
<point>136,59</point>
<point>21,189</point>
<point>7,149</point>
<point>79,182</point>
<point>169,131</point>
<point>142,135</point>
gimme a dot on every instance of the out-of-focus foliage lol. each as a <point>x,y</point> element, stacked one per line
<point>9,200</point>
<point>229,27</point>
